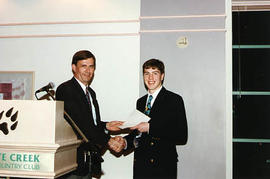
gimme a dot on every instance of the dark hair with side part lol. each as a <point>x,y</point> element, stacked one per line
<point>82,55</point>
<point>154,63</point>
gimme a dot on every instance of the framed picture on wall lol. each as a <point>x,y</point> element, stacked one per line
<point>16,85</point>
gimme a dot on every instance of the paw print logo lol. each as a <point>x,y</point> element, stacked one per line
<point>4,127</point>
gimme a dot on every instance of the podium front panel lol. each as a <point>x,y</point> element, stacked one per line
<point>35,139</point>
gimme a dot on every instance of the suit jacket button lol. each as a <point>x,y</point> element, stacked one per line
<point>152,143</point>
<point>152,160</point>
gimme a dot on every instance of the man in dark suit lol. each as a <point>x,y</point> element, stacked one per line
<point>82,106</point>
<point>154,142</point>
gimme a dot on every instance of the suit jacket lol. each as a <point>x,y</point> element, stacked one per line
<point>156,154</point>
<point>76,105</point>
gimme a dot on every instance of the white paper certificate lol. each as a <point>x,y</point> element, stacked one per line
<point>134,118</point>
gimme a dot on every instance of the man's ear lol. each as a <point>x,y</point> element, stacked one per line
<point>73,66</point>
<point>162,76</point>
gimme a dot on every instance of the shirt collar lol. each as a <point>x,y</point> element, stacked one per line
<point>81,84</point>
<point>155,93</point>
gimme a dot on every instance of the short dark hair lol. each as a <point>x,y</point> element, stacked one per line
<point>82,55</point>
<point>154,63</point>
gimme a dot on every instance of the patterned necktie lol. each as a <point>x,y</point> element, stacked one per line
<point>88,99</point>
<point>148,105</point>
<point>138,134</point>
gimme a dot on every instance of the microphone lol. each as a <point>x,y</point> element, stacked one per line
<point>46,88</point>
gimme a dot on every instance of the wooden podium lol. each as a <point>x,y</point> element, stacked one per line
<point>35,139</point>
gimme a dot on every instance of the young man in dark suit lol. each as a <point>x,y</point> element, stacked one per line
<point>82,106</point>
<point>154,142</point>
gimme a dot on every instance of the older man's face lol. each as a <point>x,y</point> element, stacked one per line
<point>84,70</point>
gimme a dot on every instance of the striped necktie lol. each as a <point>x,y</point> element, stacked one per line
<point>148,105</point>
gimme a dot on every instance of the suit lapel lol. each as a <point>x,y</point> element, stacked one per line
<point>82,98</point>
<point>158,99</point>
<point>141,106</point>
<point>80,91</point>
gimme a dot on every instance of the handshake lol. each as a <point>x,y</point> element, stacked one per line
<point>117,144</point>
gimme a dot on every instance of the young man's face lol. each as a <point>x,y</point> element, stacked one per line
<point>152,79</point>
<point>84,70</point>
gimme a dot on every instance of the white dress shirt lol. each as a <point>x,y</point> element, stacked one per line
<point>93,107</point>
<point>154,96</point>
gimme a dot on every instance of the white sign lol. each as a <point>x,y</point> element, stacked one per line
<point>25,161</point>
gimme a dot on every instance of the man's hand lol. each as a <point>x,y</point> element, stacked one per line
<point>142,127</point>
<point>117,143</point>
<point>114,125</point>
